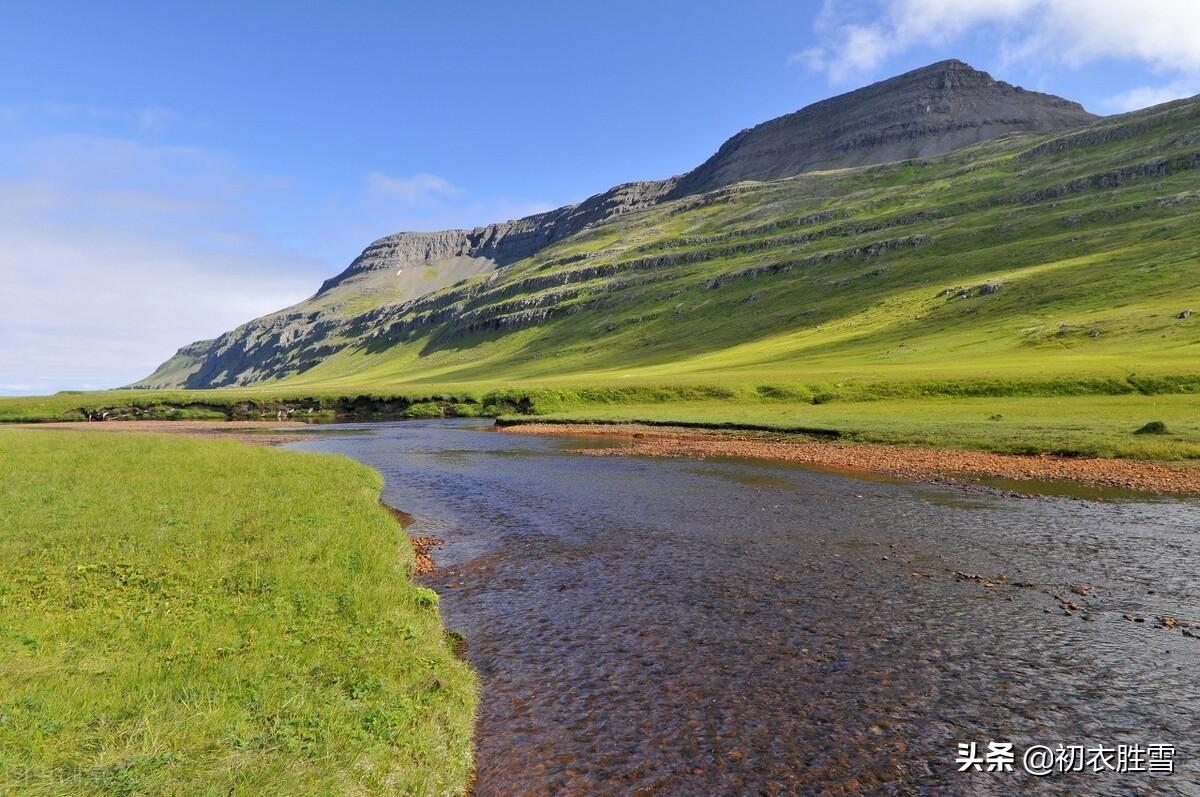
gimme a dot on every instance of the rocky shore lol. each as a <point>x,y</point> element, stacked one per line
<point>907,462</point>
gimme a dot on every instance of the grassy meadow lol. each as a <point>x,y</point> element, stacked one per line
<point>186,617</point>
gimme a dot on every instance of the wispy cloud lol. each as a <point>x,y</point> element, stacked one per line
<point>423,202</point>
<point>113,253</point>
<point>416,190</point>
<point>146,119</point>
<point>1145,96</point>
<point>117,248</point>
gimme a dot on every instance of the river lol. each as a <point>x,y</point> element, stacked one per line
<point>725,627</point>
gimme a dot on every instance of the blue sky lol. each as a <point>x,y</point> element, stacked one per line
<point>168,170</point>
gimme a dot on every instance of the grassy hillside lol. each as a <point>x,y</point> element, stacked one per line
<point>1021,257</point>
<point>185,618</point>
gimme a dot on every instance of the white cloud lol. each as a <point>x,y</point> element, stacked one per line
<point>413,191</point>
<point>156,118</point>
<point>1074,33</point>
<point>148,119</point>
<point>80,307</point>
<point>812,57</point>
<point>114,253</point>
<point>853,44</point>
<point>1162,33</point>
<point>424,202</point>
<point>1145,96</point>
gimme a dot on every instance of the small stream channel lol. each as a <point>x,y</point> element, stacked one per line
<point>724,627</point>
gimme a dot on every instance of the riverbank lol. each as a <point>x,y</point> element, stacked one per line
<point>906,462</point>
<point>191,616</point>
<point>254,433</point>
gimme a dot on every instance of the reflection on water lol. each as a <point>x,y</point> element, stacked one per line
<point>682,627</point>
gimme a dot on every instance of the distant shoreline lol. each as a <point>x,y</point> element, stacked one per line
<point>906,462</point>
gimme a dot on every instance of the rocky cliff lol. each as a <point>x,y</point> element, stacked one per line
<point>505,242</point>
<point>922,113</point>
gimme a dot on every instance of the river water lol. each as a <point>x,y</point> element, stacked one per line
<point>724,627</point>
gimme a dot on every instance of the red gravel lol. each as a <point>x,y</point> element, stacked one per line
<point>909,462</point>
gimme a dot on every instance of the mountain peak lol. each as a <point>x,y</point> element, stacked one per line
<point>947,65</point>
<point>921,113</point>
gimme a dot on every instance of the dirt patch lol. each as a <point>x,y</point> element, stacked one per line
<point>908,462</point>
<point>423,547</point>
<point>259,433</point>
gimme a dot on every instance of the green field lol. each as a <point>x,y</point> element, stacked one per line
<point>183,617</point>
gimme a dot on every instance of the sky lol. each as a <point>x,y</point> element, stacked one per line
<point>170,170</point>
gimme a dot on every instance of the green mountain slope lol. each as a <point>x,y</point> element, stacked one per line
<point>1026,256</point>
<point>1033,255</point>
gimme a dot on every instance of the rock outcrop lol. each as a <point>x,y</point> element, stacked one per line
<point>926,112</point>
<point>505,242</point>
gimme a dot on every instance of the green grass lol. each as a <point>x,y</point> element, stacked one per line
<point>184,617</point>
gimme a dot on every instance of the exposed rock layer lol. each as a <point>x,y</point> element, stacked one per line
<point>926,112</point>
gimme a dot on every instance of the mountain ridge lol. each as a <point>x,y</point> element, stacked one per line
<point>509,241</point>
<point>923,113</point>
<point>922,117</point>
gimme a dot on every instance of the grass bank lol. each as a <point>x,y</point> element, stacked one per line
<point>187,617</point>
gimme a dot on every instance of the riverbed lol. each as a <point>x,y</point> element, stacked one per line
<point>679,626</point>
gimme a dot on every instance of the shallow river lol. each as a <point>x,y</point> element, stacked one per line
<point>724,627</point>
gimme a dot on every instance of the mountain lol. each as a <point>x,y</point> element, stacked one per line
<point>919,114</point>
<point>940,221</point>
